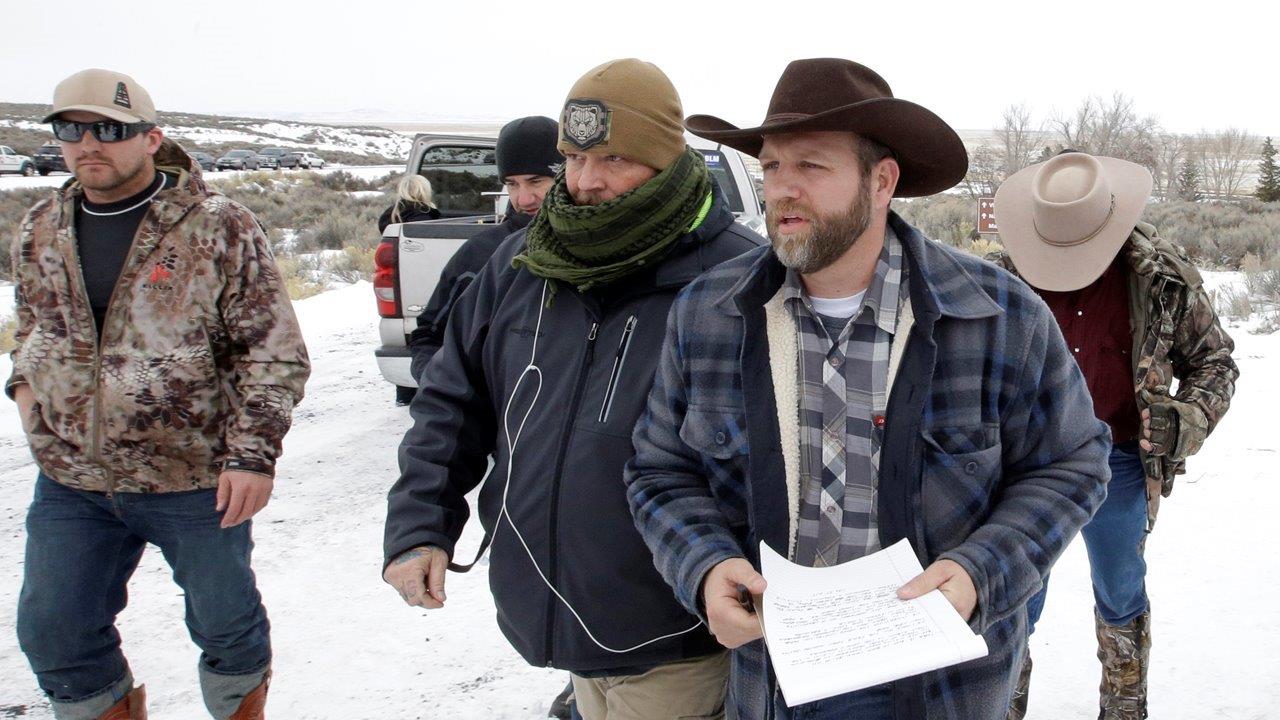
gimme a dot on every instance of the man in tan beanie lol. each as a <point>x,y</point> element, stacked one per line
<point>155,390</point>
<point>546,363</point>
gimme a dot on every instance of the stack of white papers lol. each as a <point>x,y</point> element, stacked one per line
<point>835,630</point>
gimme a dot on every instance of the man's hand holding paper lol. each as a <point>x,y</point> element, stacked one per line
<point>949,577</point>
<point>835,630</point>
<point>730,621</point>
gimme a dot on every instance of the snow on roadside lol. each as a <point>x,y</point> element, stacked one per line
<point>346,647</point>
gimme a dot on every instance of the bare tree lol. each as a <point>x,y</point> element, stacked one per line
<point>1112,128</point>
<point>1018,141</point>
<point>1170,152</point>
<point>1226,157</point>
<point>985,172</point>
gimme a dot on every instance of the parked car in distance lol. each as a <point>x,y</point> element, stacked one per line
<point>12,162</point>
<point>269,157</point>
<point>49,159</point>
<point>307,160</point>
<point>205,160</point>
<point>238,160</point>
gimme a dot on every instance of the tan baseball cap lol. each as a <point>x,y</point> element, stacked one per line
<point>110,94</point>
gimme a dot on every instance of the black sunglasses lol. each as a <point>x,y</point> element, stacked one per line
<point>107,131</point>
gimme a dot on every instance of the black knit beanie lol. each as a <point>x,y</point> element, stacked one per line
<point>527,146</point>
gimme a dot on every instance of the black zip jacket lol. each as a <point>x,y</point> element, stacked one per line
<point>597,352</point>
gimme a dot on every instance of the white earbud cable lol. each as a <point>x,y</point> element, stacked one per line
<point>511,453</point>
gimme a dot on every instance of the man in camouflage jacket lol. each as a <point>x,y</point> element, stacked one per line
<point>158,362</point>
<point>1134,313</point>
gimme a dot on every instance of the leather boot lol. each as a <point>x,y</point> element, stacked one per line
<point>131,707</point>
<point>1018,703</point>
<point>1125,652</point>
<point>253,703</point>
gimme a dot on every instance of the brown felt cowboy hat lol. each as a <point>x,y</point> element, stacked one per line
<point>1064,220</point>
<point>841,95</point>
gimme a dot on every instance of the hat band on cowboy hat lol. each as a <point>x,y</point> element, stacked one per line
<point>1068,243</point>
<point>831,94</point>
<point>1063,221</point>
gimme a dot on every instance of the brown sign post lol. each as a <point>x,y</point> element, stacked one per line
<point>987,216</point>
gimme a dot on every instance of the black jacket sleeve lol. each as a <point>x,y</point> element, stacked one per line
<point>445,454</point>
<point>462,268</point>
<point>384,220</point>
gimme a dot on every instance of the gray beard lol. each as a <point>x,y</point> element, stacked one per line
<point>828,239</point>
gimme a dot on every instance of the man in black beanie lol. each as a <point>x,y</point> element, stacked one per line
<point>527,163</point>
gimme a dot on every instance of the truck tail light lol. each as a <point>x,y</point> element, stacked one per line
<point>386,285</point>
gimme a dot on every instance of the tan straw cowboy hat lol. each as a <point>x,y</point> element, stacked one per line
<point>1064,220</point>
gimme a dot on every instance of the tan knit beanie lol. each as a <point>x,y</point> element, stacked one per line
<point>624,107</point>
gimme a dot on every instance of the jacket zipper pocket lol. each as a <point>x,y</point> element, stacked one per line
<point>616,374</point>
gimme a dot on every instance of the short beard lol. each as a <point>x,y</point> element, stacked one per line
<point>829,238</point>
<point>117,177</point>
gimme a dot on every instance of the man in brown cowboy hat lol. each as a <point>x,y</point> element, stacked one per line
<point>856,384</point>
<point>1135,316</point>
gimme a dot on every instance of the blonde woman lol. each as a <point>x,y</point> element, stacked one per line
<point>413,203</point>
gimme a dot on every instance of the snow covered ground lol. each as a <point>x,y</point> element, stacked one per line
<point>289,134</point>
<point>348,648</point>
<point>365,172</point>
<point>346,645</point>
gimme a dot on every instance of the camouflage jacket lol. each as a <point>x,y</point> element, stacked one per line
<point>1176,335</point>
<point>200,361</point>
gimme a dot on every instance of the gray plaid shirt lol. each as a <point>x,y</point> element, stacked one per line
<point>842,394</point>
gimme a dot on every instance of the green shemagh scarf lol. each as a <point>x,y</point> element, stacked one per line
<point>588,246</point>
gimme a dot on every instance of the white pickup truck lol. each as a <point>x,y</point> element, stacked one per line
<point>464,178</point>
<point>12,162</point>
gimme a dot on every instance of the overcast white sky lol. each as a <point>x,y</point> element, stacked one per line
<point>1193,65</point>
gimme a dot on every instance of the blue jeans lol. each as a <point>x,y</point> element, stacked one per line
<point>873,703</point>
<point>1114,539</point>
<point>81,549</point>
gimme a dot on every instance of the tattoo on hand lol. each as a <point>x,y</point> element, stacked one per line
<point>411,554</point>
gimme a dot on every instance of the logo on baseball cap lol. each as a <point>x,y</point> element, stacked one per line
<point>110,94</point>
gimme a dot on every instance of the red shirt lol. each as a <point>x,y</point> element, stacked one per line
<point>1095,324</point>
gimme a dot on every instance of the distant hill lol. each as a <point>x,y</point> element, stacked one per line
<point>21,129</point>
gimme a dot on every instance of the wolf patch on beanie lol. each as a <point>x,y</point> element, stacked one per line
<point>624,107</point>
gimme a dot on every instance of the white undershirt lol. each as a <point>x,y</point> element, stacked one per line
<point>843,307</point>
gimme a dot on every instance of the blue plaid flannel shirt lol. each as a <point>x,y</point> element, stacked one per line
<point>993,457</point>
